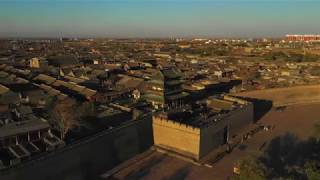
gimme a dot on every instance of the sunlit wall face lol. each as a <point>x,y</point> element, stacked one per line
<point>158,18</point>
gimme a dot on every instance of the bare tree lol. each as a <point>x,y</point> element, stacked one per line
<point>66,116</point>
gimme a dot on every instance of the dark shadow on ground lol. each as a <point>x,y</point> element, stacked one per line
<point>286,155</point>
<point>260,107</point>
<point>242,147</point>
<point>145,169</point>
<point>179,174</point>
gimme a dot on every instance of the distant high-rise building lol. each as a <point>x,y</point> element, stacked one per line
<point>303,38</point>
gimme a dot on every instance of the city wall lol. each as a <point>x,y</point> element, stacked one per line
<point>240,119</point>
<point>231,124</point>
<point>212,137</point>
<point>88,158</point>
<point>176,136</point>
<point>197,142</point>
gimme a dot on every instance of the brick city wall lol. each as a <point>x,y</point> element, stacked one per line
<point>215,134</point>
<point>197,142</point>
<point>240,118</point>
<point>212,137</point>
<point>88,158</point>
<point>176,136</point>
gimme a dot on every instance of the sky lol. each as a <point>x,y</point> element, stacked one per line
<point>158,18</point>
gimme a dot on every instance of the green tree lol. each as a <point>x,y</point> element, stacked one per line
<point>312,171</point>
<point>250,169</point>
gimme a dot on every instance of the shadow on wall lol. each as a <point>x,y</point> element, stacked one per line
<point>260,107</point>
<point>286,156</point>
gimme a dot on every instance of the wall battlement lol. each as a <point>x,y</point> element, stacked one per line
<point>234,99</point>
<point>175,125</point>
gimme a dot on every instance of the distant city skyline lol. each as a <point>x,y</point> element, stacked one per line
<point>158,18</point>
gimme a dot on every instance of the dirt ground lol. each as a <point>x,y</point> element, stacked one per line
<point>286,96</point>
<point>297,119</point>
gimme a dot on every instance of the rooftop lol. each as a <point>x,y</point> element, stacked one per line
<point>21,127</point>
<point>199,115</point>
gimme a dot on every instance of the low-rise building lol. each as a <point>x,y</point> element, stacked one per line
<point>24,135</point>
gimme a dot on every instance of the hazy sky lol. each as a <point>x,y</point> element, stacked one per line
<point>158,18</point>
